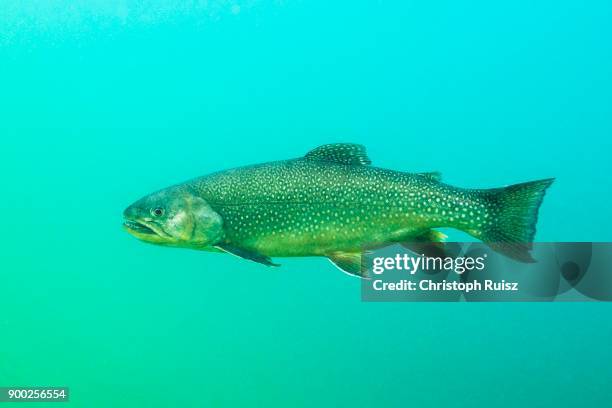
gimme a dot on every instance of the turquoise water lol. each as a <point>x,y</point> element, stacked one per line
<point>102,102</point>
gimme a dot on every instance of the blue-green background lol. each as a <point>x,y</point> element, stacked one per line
<point>102,102</point>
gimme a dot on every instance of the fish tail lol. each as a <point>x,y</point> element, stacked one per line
<point>512,214</point>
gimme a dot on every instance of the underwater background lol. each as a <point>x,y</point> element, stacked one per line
<point>104,101</point>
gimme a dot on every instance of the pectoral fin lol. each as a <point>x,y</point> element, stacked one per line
<point>246,254</point>
<point>350,263</point>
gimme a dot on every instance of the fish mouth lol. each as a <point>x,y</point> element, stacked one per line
<point>138,228</point>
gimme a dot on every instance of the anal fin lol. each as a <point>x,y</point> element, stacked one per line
<point>430,243</point>
<point>246,254</point>
<point>350,263</point>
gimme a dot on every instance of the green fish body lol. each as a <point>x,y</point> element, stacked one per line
<point>333,203</point>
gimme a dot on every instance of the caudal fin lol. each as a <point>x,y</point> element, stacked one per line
<point>513,216</point>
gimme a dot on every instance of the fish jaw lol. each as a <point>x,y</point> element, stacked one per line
<point>146,231</point>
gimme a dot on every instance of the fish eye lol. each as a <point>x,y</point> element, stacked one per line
<point>157,212</point>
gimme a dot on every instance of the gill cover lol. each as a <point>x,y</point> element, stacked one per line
<point>207,224</point>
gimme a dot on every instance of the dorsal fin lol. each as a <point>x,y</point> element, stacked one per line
<point>341,153</point>
<point>433,176</point>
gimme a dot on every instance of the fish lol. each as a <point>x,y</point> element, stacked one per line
<point>331,203</point>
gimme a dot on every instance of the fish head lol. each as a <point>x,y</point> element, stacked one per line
<point>175,216</point>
